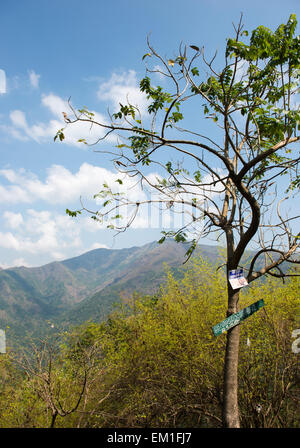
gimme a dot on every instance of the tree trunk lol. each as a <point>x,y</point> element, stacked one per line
<point>53,419</point>
<point>230,388</point>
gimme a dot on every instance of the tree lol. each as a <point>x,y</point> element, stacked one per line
<point>61,384</point>
<point>236,173</point>
<point>166,365</point>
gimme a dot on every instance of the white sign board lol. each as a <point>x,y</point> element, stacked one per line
<point>237,279</point>
<point>2,342</point>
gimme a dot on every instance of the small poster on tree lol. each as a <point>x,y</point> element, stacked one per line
<point>237,279</point>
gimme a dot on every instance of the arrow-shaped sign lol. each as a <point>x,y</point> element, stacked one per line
<point>236,318</point>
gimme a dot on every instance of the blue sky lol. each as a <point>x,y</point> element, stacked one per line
<point>92,52</point>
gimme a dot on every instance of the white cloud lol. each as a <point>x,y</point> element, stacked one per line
<point>17,262</point>
<point>13,132</point>
<point>62,186</point>
<point>122,88</point>
<point>21,130</point>
<point>18,119</point>
<point>47,234</point>
<point>13,194</point>
<point>34,79</point>
<point>55,104</point>
<point>97,246</point>
<point>42,232</point>
<point>159,72</point>
<point>13,220</point>
<point>2,82</point>
<point>43,132</point>
<point>8,241</point>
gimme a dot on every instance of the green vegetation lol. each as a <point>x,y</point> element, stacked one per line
<point>155,362</point>
<point>227,178</point>
<point>62,293</point>
<point>82,288</point>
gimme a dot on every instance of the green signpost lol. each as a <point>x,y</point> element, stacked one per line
<point>236,318</point>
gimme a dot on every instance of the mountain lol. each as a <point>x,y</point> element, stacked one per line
<point>141,271</point>
<point>83,287</point>
<point>86,287</point>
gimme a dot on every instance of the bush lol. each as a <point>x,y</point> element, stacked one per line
<point>156,363</point>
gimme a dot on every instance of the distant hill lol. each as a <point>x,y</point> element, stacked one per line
<point>84,287</point>
<point>142,270</point>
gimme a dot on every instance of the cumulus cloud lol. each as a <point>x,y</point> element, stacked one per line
<point>13,194</point>
<point>8,241</point>
<point>119,88</point>
<point>18,119</point>
<point>41,232</point>
<point>40,132</point>
<point>13,220</point>
<point>21,130</point>
<point>55,104</point>
<point>34,79</point>
<point>62,186</point>
<point>122,88</point>
<point>45,235</point>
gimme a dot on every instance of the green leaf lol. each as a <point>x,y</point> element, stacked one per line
<point>197,176</point>
<point>180,237</point>
<point>73,214</point>
<point>60,135</point>
<point>191,248</point>
<point>169,167</point>
<point>176,116</point>
<point>145,55</point>
<point>161,240</point>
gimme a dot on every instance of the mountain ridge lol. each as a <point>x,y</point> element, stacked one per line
<point>30,297</point>
<point>87,286</point>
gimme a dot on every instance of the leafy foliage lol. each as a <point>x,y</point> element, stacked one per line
<point>255,120</point>
<point>156,363</point>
